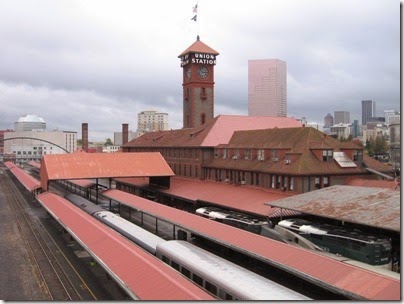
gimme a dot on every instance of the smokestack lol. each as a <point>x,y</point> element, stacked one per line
<point>125,133</point>
<point>84,136</point>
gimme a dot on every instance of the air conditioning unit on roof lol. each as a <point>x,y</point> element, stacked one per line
<point>287,161</point>
<point>275,159</point>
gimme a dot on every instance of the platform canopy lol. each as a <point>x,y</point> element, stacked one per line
<point>105,165</point>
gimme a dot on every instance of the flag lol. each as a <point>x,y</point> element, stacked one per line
<point>195,9</point>
<point>194,17</point>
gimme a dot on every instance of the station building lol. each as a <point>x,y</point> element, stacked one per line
<point>276,153</point>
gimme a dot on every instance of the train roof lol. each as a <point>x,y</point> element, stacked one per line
<point>240,282</point>
<point>140,236</point>
<point>84,204</point>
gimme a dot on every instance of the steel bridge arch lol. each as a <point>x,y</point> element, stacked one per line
<point>47,141</point>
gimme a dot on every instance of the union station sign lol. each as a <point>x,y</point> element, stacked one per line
<point>198,58</point>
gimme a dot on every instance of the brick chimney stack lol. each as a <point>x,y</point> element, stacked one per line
<point>125,133</point>
<point>84,136</point>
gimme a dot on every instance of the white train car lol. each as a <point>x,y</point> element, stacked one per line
<point>136,234</point>
<point>222,278</point>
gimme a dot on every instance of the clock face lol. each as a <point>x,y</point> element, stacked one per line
<point>188,74</point>
<point>203,72</point>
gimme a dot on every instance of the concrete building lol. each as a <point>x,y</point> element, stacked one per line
<point>328,120</point>
<point>342,131</point>
<point>341,117</point>
<point>131,135</point>
<point>267,88</point>
<point>395,144</point>
<point>151,121</point>
<point>30,122</point>
<point>368,110</point>
<point>32,145</point>
<point>391,117</point>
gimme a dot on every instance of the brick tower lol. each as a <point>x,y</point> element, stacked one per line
<point>198,63</point>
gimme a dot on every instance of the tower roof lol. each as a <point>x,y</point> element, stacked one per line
<point>199,47</point>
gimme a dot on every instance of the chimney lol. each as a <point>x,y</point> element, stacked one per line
<point>125,133</point>
<point>84,136</point>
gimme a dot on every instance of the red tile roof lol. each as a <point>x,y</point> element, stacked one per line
<point>215,132</point>
<point>199,47</point>
<point>300,142</point>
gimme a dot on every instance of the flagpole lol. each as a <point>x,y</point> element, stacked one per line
<point>198,21</point>
<point>195,18</point>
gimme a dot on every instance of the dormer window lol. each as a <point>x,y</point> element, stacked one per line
<point>260,154</point>
<point>248,153</point>
<point>327,156</point>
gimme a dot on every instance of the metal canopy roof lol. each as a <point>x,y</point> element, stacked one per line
<point>376,207</point>
<point>246,199</point>
<point>102,165</point>
<point>29,182</point>
<point>141,274</point>
<point>331,274</point>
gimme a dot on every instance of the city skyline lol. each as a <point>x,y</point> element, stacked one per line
<point>103,62</point>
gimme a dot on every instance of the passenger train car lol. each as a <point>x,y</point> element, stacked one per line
<point>330,240</point>
<point>220,277</point>
<point>350,243</point>
<point>232,218</point>
<point>226,280</point>
<point>136,234</point>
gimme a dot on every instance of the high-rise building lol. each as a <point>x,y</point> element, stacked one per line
<point>341,117</point>
<point>267,89</point>
<point>150,121</point>
<point>368,110</point>
<point>328,120</point>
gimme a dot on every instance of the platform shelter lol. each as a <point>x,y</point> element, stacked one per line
<point>105,166</point>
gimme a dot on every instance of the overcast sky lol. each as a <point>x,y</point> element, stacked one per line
<point>104,61</point>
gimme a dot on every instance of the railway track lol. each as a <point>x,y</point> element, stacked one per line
<point>52,276</point>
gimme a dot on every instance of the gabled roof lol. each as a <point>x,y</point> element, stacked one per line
<point>217,131</point>
<point>199,47</point>
<point>299,142</point>
<point>102,165</point>
<point>286,138</point>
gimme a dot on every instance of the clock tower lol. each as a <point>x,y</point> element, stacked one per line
<point>197,63</point>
